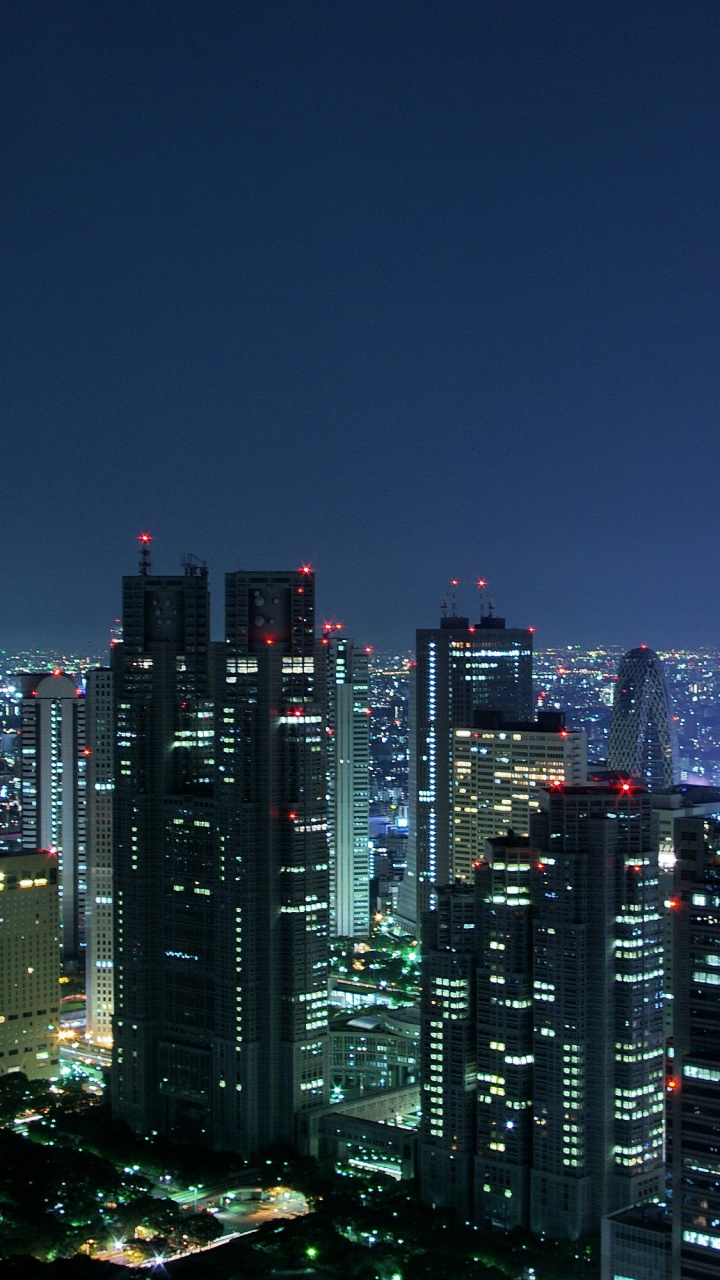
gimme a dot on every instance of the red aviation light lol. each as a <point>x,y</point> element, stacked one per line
<point>368,648</point>
<point>626,787</point>
<point>338,626</point>
<point>327,626</point>
<point>672,1084</point>
<point>477,863</point>
<point>564,733</point>
<point>643,646</point>
<point>87,751</point>
<point>269,640</point>
<point>481,582</point>
<point>673,903</point>
<point>145,537</point>
<point>301,591</point>
<point>57,671</point>
<point>531,630</point>
<point>454,582</point>
<point>292,815</point>
<point>306,568</point>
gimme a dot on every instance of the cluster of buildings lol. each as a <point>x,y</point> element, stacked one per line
<point>194,831</point>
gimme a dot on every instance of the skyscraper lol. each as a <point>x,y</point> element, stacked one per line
<point>173,1030</point>
<point>273,830</point>
<point>54,792</point>
<point>343,693</point>
<point>460,669</point>
<point>499,770</point>
<point>598,1091</point>
<point>643,742</point>
<point>220,860</point>
<point>694,1089</point>
<point>448,1051</point>
<point>99,959</point>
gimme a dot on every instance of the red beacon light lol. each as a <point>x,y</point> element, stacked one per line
<point>292,815</point>
<point>306,569</point>
<point>672,1084</point>
<point>625,787</point>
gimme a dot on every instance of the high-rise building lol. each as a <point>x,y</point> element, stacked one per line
<point>598,1090</point>
<point>272,820</point>
<point>99,958</point>
<point>343,694</point>
<point>174,1027</point>
<point>505,1053</point>
<point>643,742</point>
<point>29,964</point>
<point>221,870</point>
<point>54,792</point>
<point>460,670</point>
<point>448,1051</point>
<point>499,770</point>
<point>694,1088</point>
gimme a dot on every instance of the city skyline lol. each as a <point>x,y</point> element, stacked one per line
<point>430,261</point>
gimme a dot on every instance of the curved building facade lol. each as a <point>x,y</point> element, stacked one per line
<point>642,736</point>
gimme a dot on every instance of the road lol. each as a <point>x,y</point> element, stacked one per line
<point>238,1217</point>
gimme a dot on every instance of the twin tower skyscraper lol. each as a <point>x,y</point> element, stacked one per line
<point>222,874</point>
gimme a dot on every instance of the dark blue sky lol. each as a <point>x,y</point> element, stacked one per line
<point>409,290</point>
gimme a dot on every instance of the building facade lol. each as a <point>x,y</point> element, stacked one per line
<point>29,964</point>
<point>342,671</point>
<point>460,670</point>
<point>221,868</point>
<point>54,796</point>
<point>694,1087</point>
<point>499,769</point>
<point>598,1091</point>
<point>100,951</point>
<point>643,741</point>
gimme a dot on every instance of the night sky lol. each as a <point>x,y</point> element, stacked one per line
<point>407,290</point>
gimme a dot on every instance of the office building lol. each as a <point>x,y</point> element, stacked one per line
<point>448,1052</point>
<point>694,1087</point>
<point>505,1054</point>
<point>221,871</point>
<point>460,670</point>
<point>54,792</point>
<point>29,964</point>
<point>643,741</point>
<point>173,1026</point>
<point>499,769</point>
<point>273,829</point>
<point>99,954</point>
<point>342,671</point>
<point>598,1090</point>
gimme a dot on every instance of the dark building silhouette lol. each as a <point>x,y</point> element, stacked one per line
<point>220,860</point>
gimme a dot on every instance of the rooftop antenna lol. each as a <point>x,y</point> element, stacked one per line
<point>443,608</point>
<point>144,539</point>
<point>192,565</point>
<point>481,585</point>
<point>454,584</point>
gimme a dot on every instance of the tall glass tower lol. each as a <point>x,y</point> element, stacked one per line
<point>642,735</point>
